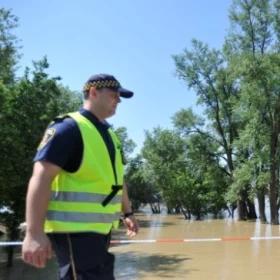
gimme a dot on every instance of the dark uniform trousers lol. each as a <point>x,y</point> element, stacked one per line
<point>83,256</point>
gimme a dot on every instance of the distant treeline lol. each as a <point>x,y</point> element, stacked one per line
<point>229,156</point>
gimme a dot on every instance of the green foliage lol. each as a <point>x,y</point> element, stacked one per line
<point>26,109</point>
<point>239,88</point>
<point>8,46</point>
<point>140,184</point>
<point>185,168</point>
<point>255,34</point>
<point>128,145</point>
<point>164,152</point>
<point>205,71</point>
<point>252,22</point>
<point>186,121</point>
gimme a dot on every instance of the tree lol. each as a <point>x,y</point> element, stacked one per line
<point>236,85</point>
<point>8,46</point>
<point>205,167</point>
<point>140,185</point>
<point>185,168</point>
<point>206,71</point>
<point>128,144</point>
<point>28,106</point>
<point>254,43</point>
<point>163,150</point>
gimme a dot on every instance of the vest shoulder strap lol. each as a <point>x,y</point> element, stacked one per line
<point>60,118</point>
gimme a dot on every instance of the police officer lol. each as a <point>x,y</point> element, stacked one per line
<point>76,193</point>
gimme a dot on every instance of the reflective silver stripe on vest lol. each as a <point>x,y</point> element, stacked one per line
<point>83,197</point>
<point>79,217</point>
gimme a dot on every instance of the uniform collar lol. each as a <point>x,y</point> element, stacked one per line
<point>90,116</point>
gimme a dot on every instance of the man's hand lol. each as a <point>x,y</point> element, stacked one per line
<point>36,249</point>
<point>131,225</point>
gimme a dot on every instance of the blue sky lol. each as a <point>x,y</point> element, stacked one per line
<point>131,39</point>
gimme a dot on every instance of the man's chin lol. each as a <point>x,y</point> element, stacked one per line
<point>112,113</point>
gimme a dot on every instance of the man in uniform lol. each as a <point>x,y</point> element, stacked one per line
<point>76,193</point>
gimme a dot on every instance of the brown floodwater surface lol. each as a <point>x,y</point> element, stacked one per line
<point>230,256</point>
<point>218,260</point>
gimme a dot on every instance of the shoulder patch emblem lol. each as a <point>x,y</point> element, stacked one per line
<point>49,134</point>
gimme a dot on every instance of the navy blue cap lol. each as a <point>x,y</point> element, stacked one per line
<point>107,81</point>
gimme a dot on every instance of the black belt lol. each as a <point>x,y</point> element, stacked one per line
<point>112,194</point>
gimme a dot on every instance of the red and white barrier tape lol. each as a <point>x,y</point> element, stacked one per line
<point>137,241</point>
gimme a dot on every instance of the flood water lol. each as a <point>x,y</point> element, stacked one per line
<point>235,257</point>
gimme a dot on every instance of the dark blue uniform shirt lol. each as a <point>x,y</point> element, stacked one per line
<point>62,143</point>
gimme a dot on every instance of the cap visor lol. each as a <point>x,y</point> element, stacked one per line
<point>125,93</point>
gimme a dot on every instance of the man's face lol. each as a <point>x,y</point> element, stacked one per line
<point>108,100</point>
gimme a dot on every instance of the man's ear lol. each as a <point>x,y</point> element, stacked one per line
<point>92,92</point>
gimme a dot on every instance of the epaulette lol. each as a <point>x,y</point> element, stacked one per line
<point>60,118</point>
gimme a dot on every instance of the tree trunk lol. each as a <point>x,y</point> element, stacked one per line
<point>185,213</point>
<point>231,208</point>
<point>178,209</point>
<point>10,256</point>
<point>13,234</point>
<point>198,214</point>
<point>261,202</point>
<point>241,206</point>
<point>189,214</point>
<point>252,215</point>
<point>155,207</point>
<point>152,208</point>
<point>273,194</point>
<point>158,206</point>
<point>273,204</point>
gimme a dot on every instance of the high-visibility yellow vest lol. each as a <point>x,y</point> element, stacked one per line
<point>76,198</point>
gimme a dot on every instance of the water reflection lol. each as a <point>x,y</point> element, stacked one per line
<point>146,264</point>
